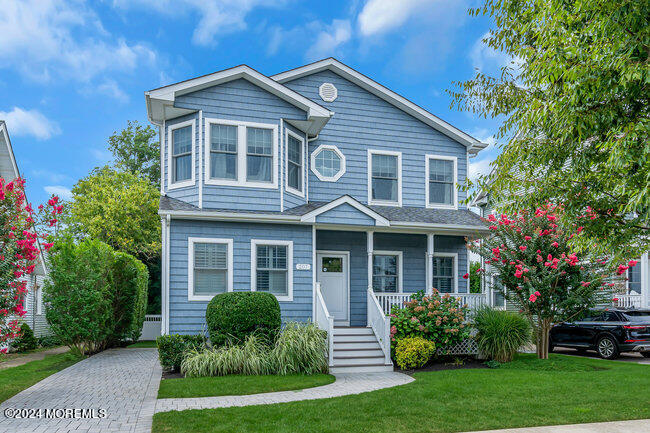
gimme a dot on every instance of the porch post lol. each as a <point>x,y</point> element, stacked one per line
<point>428,267</point>
<point>370,248</point>
<point>645,281</point>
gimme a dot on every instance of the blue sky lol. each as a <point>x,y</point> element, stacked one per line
<point>72,72</point>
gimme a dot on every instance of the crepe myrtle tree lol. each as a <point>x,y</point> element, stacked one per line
<point>533,258</point>
<point>18,251</point>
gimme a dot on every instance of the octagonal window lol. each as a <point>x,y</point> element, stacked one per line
<point>328,163</point>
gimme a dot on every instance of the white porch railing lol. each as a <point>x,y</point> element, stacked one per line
<point>325,322</point>
<point>380,323</point>
<point>390,300</point>
<point>627,301</point>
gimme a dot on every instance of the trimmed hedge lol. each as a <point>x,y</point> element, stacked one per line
<point>233,316</point>
<point>26,341</point>
<point>130,281</point>
<point>171,348</point>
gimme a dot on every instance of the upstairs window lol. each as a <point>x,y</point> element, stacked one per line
<point>211,267</point>
<point>182,144</point>
<point>223,151</point>
<point>271,268</point>
<point>259,157</point>
<point>441,181</point>
<point>294,164</point>
<point>328,163</point>
<point>386,272</point>
<point>385,177</point>
<point>444,273</point>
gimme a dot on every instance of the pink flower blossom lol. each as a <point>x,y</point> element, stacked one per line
<point>532,298</point>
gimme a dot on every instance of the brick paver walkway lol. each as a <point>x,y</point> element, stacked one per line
<point>121,382</point>
<point>345,384</point>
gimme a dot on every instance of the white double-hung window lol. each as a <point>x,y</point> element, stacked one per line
<point>181,154</point>
<point>384,177</point>
<point>210,267</point>
<point>387,271</point>
<point>441,177</point>
<point>241,153</point>
<point>295,163</point>
<point>271,268</point>
<point>445,272</point>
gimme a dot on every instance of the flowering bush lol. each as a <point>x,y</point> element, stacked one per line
<point>533,257</point>
<point>18,252</point>
<point>436,318</point>
<point>414,352</point>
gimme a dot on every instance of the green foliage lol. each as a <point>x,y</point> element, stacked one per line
<point>500,333</point>
<point>299,349</point>
<point>474,278</point>
<point>413,352</point>
<point>492,364</point>
<point>575,106</point>
<point>172,348</point>
<point>118,208</point>
<point>49,341</point>
<point>136,150</point>
<point>96,296</point>
<point>436,318</point>
<point>26,341</point>
<point>233,316</point>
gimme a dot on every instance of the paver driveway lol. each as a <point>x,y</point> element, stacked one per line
<point>121,382</point>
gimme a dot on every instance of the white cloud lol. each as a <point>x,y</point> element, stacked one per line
<point>29,122</point>
<point>330,39</point>
<point>480,165</point>
<point>51,176</point>
<point>59,190</point>
<point>216,17</point>
<point>381,16</point>
<point>111,88</point>
<point>487,59</point>
<point>478,168</point>
<point>48,39</point>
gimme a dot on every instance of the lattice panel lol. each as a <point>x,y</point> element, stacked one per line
<point>465,347</point>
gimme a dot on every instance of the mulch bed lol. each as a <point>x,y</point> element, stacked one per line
<point>447,364</point>
<point>172,375</point>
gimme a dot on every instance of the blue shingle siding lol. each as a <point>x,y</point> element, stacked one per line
<point>355,243</point>
<point>455,244</point>
<point>188,317</point>
<point>364,121</point>
<point>345,214</point>
<point>238,100</point>
<point>414,251</point>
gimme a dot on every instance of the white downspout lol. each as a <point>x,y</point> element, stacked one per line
<point>429,267</point>
<point>200,158</point>
<point>370,249</point>
<point>281,180</point>
<point>167,260</point>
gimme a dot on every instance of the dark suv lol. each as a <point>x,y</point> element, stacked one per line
<point>608,332</point>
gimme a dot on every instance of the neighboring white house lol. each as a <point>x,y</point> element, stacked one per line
<point>33,302</point>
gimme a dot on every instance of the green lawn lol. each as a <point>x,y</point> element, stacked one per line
<point>526,393</point>
<point>15,379</point>
<point>238,385</point>
<point>145,344</point>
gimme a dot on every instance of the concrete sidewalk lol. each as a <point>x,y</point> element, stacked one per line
<point>636,426</point>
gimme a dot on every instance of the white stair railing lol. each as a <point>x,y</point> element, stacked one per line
<point>627,301</point>
<point>325,322</point>
<point>390,300</point>
<point>380,323</point>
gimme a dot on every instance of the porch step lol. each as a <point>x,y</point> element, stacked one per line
<point>358,345</point>
<point>366,368</point>
<point>354,338</point>
<point>353,353</point>
<point>361,330</point>
<point>358,360</point>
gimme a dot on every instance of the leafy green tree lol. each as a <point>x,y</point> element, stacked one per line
<point>474,277</point>
<point>575,105</point>
<point>136,150</point>
<point>119,208</point>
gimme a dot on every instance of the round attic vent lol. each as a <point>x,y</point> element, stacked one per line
<point>327,92</point>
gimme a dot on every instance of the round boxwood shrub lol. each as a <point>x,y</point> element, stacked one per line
<point>26,341</point>
<point>233,316</point>
<point>413,352</point>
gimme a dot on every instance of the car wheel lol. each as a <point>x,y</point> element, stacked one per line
<point>645,354</point>
<point>607,348</point>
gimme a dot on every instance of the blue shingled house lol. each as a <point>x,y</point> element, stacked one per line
<point>318,185</point>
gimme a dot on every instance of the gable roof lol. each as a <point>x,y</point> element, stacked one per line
<point>473,145</point>
<point>346,199</point>
<point>160,101</point>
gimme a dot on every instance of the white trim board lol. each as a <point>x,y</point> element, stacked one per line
<point>241,153</point>
<point>454,191</point>
<point>473,145</point>
<point>371,201</point>
<point>290,265</point>
<point>190,265</point>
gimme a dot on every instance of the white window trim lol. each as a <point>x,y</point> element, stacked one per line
<point>190,265</point>
<point>241,154</point>
<point>334,149</point>
<point>454,159</point>
<point>455,271</point>
<point>288,133</point>
<point>372,152</point>
<point>192,180</point>
<point>290,265</point>
<point>400,266</point>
